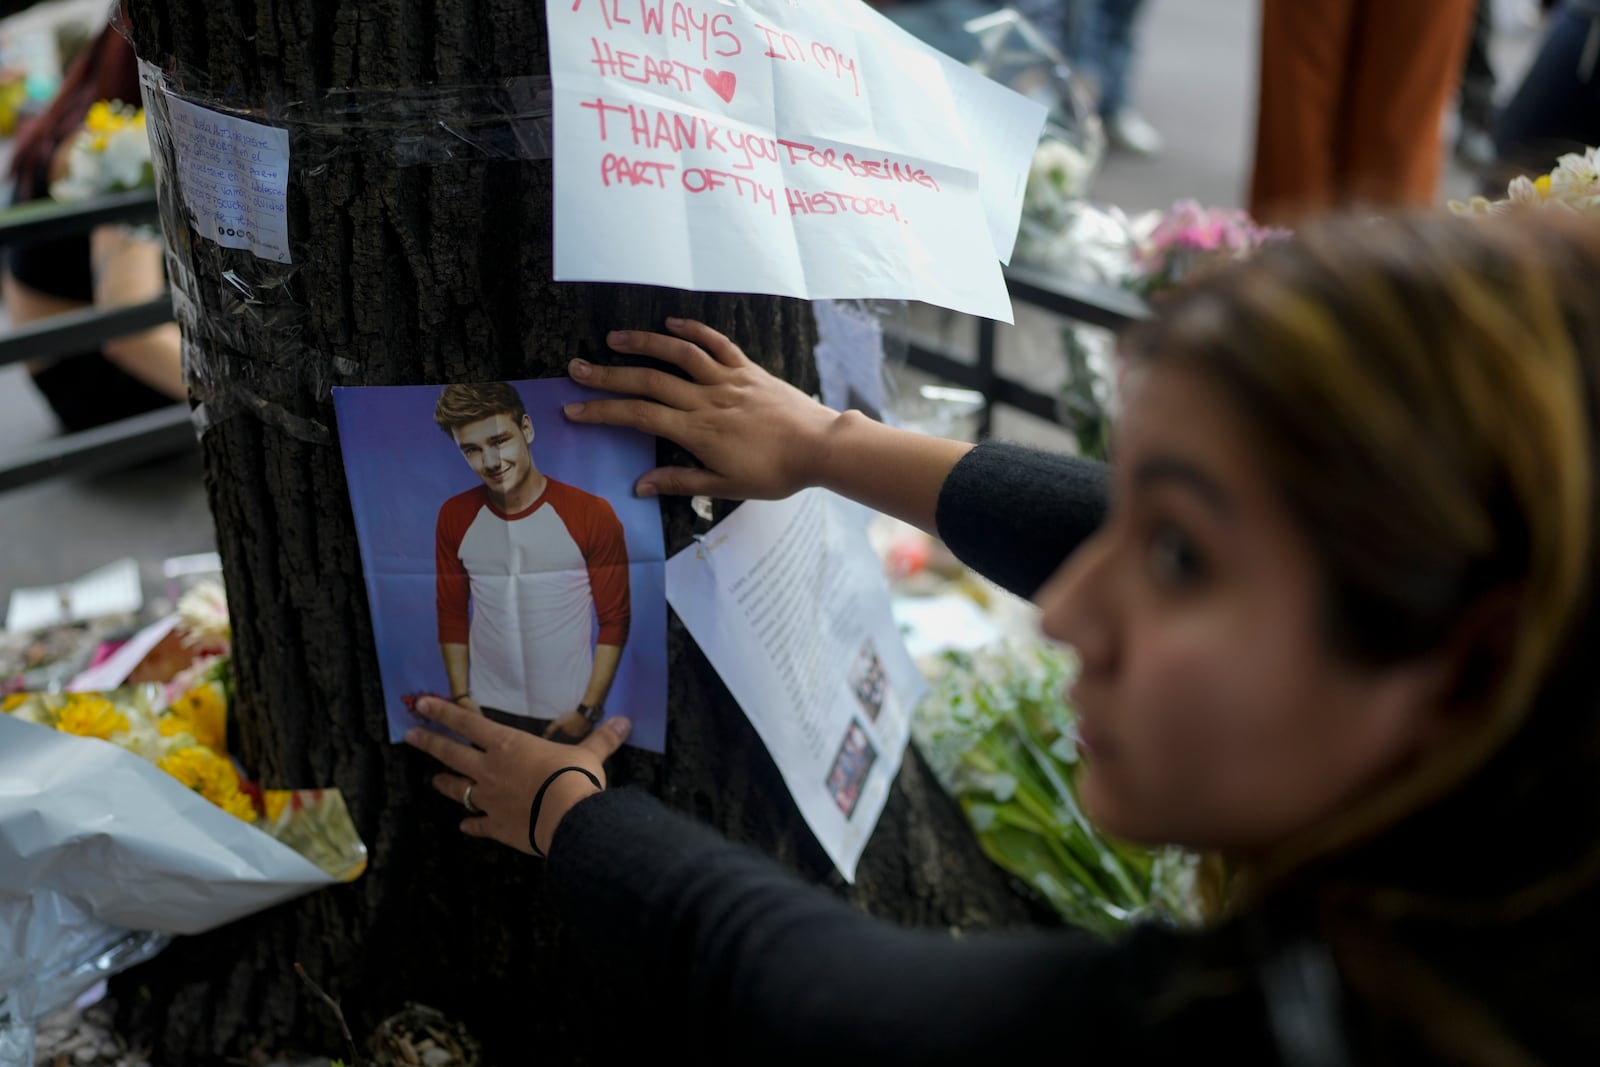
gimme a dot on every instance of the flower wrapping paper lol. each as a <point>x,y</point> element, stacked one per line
<point>97,844</point>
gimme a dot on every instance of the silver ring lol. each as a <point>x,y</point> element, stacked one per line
<point>466,801</point>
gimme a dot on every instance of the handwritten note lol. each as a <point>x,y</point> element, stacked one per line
<point>233,175</point>
<point>814,151</point>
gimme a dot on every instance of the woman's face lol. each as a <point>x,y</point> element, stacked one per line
<point>1214,713</point>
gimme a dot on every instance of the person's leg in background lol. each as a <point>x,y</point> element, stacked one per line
<point>1556,109</point>
<point>1475,140</point>
<point>1304,57</point>
<point>1055,19</point>
<point>1406,62</point>
<point>1110,44</point>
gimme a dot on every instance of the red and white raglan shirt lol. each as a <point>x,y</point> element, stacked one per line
<point>536,581</point>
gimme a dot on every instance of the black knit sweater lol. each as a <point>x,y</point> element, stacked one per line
<point>742,963</point>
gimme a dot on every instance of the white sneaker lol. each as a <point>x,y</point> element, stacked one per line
<point>1132,132</point>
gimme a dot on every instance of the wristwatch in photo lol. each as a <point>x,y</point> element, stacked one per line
<point>592,712</point>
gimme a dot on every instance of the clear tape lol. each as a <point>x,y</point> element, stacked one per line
<point>247,322</point>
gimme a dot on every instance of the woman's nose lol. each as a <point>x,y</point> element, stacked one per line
<point>1075,608</point>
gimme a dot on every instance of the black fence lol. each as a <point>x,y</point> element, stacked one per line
<point>1093,305</point>
<point>105,448</point>
<point>135,440</point>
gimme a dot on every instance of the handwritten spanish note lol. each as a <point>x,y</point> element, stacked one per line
<point>766,146</point>
<point>233,175</point>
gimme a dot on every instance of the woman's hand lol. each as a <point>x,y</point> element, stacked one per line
<point>759,437</point>
<point>506,769</point>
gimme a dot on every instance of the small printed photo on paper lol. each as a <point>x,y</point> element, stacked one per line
<point>851,767</point>
<point>869,681</point>
<point>509,564</point>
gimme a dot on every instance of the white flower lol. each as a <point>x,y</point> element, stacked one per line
<point>203,612</point>
<point>1524,193</point>
<point>84,178</point>
<point>1058,170</point>
<point>1576,177</point>
<point>126,156</point>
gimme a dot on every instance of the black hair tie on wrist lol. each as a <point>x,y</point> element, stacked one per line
<point>538,801</point>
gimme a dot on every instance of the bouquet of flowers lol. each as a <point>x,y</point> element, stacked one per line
<point>180,724</point>
<point>1573,186</point>
<point>1187,239</point>
<point>110,154</point>
<point>999,736</point>
<point>124,820</point>
<point>187,738</point>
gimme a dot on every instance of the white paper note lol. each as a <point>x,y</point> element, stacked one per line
<point>114,589</point>
<point>948,622</point>
<point>849,357</point>
<point>815,151</point>
<point>233,175</point>
<point>789,603</point>
<point>112,671</point>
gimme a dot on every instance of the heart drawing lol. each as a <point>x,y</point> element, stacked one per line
<point>722,82</point>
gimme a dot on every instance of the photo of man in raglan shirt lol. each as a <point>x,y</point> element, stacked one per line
<point>532,576</point>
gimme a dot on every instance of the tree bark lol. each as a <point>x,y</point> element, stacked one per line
<point>422,269</point>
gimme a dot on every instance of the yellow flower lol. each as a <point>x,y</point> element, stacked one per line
<point>106,119</point>
<point>239,805</point>
<point>87,715</point>
<point>187,765</point>
<point>202,713</point>
<point>100,118</point>
<point>213,777</point>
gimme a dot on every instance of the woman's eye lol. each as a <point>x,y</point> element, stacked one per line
<point>1174,561</point>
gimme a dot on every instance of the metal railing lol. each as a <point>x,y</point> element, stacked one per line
<point>134,440</point>
<point>1093,305</point>
<point>119,444</point>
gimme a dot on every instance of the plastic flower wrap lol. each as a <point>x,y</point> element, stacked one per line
<point>1188,238</point>
<point>1573,186</point>
<point>110,154</point>
<point>124,821</point>
<point>188,740</point>
<point>999,736</point>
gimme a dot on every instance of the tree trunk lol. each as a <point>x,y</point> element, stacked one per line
<point>418,267</point>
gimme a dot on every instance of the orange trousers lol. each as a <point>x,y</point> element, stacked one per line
<point>1352,96</point>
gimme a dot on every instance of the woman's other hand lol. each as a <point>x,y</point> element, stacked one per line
<point>759,437</point>
<point>498,775</point>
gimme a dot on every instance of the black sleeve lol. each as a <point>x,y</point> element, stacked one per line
<point>749,965</point>
<point>1013,514</point>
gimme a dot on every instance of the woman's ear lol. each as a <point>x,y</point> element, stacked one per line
<point>1426,702</point>
<point>1477,653</point>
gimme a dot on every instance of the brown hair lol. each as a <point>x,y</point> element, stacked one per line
<point>105,70</point>
<point>1422,393</point>
<point>463,403</point>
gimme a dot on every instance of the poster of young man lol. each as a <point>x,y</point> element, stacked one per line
<point>508,564</point>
